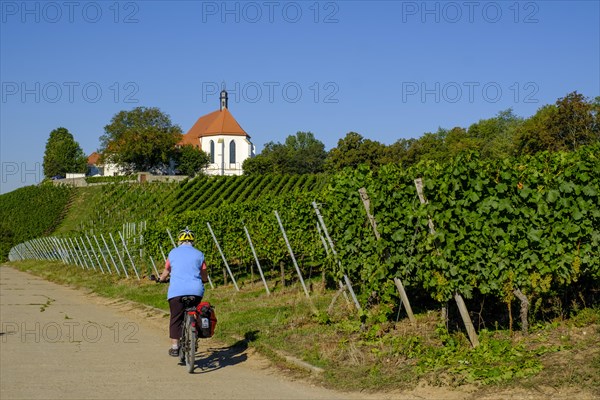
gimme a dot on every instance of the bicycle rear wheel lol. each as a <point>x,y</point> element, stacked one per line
<point>190,345</point>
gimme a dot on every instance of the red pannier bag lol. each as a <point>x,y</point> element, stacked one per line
<point>207,320</point>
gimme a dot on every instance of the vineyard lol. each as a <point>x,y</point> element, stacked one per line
<point>111,205</point>
<point>529,226</point>
<point>30,212</point>
<point>493,232</point>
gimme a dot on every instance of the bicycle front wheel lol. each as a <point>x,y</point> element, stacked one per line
<point>190,337</point>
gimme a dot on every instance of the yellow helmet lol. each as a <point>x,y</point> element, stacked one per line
<point>185,235</point>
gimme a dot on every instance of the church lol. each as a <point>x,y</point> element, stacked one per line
<point>222,138</point>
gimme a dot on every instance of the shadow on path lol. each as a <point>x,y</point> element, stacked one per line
<point>212,359</point>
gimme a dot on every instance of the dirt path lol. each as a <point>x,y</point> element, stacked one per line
<point>61,343</point>
<point>58,342</point>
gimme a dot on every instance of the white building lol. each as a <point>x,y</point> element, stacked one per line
<point>96,168</point>
<point>220,135</point>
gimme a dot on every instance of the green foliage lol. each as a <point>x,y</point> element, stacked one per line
<point>530,223</point>
<point>63,154</point>
<point>228,220</point>
<point>353,150</point>
<point>494,138</point>
<point>30,212</point>
<point>495,359</point>
<point>572,122</point>
<point>191,160</point>
<point>109,206</point>
<point>105,208</point>
<point>300,154</point>
<point>108,179</point>
<point>142,139</point>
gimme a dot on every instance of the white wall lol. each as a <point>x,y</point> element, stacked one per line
<point>111,170</point>
<point>243,149</point>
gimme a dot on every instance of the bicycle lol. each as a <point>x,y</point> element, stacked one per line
<point>188,340</point>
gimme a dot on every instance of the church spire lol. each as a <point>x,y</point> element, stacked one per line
<point>223,98</point>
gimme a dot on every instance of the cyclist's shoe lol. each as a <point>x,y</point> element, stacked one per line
<point>174,352</point>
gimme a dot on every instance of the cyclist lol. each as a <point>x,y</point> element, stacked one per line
<point>187,268</point>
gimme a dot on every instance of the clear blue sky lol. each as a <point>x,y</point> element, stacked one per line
<point>387,70</point>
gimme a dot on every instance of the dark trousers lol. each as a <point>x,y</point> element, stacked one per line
<point>177,312</point>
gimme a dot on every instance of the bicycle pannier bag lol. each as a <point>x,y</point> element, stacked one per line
<point>207,320</point>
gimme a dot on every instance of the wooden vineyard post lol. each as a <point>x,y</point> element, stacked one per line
<point>129,256</point>
<point>405,301</point>
<point>76,257</point>
<point>80,262</point>
<point>367,204</point>
<point>171,237</point>
<point>61,251</point>
<point>33,250</point>
<point>68,255</point>
<point>102,254</point>
<point>94,252</point>
<point>118,255</point>
<point>524,309</point>
<point>223,257</point>
<point>419,186</point>
<point>323,276</point>
<point>112,259</point>
<point>162,252</point>
<point>86,256</point>
<point>154,266</point>
<point>464,313</point>
<point>287,242</point>
<point>330,242</point>
<point>256,259</point>
<point>349,286</point>
<point>47,252</point>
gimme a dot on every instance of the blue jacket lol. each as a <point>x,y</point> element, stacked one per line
<point>186,262</point>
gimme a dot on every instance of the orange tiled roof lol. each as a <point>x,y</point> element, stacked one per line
<point>219,122</point>
<point>93,158</point>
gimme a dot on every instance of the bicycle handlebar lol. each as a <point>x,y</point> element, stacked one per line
<point>157,280</point>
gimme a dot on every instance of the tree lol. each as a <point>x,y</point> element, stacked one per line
<point>576,122</point>
<point>273,159</point>
<point>572,122</point>
<point>430,146</point>
<point>495,137</point>
<point>300,154</point>
<point>142,139</point>
<point>396,153</point>
<point>63,154</point>
<point>305,153</point>
<point>353,150</point>
<point>191,160</point>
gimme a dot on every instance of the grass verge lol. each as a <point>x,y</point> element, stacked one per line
<point>385,356</point>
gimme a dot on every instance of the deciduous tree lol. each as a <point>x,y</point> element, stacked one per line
<point>142,139</point>
<point>63,154</point>
<point>353,150</point>
<point>191,160</point>
<point>572,122</point>
<point>300,154</point>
